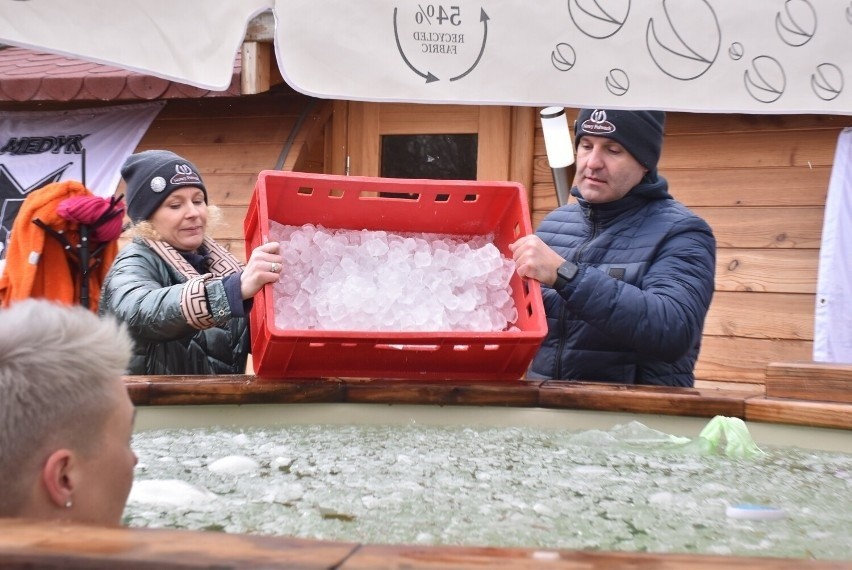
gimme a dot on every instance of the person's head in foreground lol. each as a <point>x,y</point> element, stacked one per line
<point>66,419</point>
<point>616,150</point>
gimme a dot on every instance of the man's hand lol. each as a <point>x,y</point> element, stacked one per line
<point>535,260</point>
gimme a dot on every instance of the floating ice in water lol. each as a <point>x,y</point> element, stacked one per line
<point>234,465</point>
<point>493,486</point>
<point>170,492</point>
<point>376,280</point>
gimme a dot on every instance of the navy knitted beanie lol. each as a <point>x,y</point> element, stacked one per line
<point>151,176</point>
<point>640,132</point>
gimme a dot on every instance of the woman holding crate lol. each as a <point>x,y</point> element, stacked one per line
<point>184,298</point>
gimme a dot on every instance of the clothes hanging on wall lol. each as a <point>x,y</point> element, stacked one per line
<point>43,260</point>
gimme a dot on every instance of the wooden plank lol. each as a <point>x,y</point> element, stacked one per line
<point>767,270</point>
<point>513,394</point>
<point>282,101</point>
<point>32,544</point>
<point>713,124</point>
<point>385,557</point>
<point>808,380</point>
<point>521,152</point>
<point>737,227</point>
<point>728,187</point>
<point>813,148</point>
<point>761,315</point>
<point>227,130</point>
<point>795,412</point>
<point>744,360</point>
<point>787,186</point>
<point>746,388</point>
<point>239,390</point>
<point>640,399</point>
<point>230,158</point>
<point>261,28</point>
<point>256,59</point>
<point>494,143</point>
<point>414,118</point>
<point>765,227</point>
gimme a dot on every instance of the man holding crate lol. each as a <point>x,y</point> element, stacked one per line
<point>628,271</point>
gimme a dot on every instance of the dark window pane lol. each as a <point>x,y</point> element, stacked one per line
<point>437,157</point>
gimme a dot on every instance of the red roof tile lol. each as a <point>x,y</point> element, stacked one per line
<point>27,75</point>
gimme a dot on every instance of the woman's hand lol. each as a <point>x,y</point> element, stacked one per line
<point>535,260</point>
<point>264,266</point>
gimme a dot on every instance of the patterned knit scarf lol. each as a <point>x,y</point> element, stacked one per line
<point>194,305</point>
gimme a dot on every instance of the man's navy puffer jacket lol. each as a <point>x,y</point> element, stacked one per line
<point>635,311</point>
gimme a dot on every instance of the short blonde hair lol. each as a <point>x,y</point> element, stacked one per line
<point>58,364</point>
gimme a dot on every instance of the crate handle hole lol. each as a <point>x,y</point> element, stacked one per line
<point>305,190</point>
<point>418,347</point>
<point>390,195</point>
<point>335,193</point>
<point>471,197</point>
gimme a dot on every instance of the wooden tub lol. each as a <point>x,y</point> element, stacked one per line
<point>55,545</point>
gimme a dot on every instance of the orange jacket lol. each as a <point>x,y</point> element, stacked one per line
<point>37,264</point>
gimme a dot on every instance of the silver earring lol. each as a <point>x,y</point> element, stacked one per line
<point>68,504</point>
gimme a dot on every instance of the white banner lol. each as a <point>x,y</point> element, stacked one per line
<point>725,56</point>
<point>88,145</point>
<point>833,312</point>
<point>751,56</point>
<point>188,41</point>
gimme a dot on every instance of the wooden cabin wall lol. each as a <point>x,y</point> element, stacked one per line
<point>230,140</point>
<point>761,182</point>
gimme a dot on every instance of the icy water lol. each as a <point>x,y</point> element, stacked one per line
<point>627,489</point>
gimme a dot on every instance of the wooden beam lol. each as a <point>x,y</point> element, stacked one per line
<point>257,59</point>
<point>261,28</point>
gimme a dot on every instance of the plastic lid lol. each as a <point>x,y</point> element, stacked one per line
<point>754,512</point>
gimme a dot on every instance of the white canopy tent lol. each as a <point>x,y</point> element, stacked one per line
<point>777,57</point>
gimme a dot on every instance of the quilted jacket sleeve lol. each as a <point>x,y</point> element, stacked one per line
<point>664,317</point>
<point>156,303</point>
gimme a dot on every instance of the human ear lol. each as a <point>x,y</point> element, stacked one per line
<point>57,477</point>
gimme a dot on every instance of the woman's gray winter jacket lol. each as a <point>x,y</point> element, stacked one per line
<point>181,322</point>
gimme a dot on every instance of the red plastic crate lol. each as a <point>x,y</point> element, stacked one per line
<point>439,206</point>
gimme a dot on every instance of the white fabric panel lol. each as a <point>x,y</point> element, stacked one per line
<point>833,314</point>
<point>789,56</point>
<point>680,55</point>
<point>189,41</point>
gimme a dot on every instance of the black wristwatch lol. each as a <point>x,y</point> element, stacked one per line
<point>564,274</point>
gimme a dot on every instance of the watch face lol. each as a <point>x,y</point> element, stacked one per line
<point>567,271</point>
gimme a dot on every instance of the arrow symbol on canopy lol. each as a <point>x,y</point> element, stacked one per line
<point>427,76</point>
<point>483,17</point>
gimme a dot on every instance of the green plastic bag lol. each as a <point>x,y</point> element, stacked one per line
<point>731,437</point>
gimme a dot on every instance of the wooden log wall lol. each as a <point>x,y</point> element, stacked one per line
<point>761,183</point>
<point>230,140</point>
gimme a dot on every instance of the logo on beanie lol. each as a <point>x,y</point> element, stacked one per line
<point>184,175</point>
<point>597,124</point>
<point>158,184</point>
